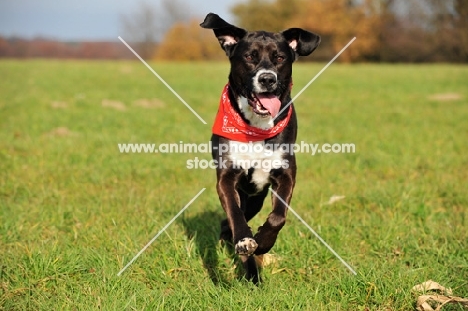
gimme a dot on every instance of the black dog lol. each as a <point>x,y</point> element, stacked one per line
<point>250,125</point>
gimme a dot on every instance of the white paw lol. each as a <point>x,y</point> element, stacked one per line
<point>246,246</point>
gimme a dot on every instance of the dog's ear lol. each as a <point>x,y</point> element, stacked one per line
<point>301,41</point>
<point>228,35</point>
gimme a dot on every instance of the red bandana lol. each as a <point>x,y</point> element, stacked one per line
<point>229,123</point>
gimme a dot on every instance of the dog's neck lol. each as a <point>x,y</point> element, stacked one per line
<point>231,124</point>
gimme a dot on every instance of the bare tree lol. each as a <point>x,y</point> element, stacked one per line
<point>174,11</point>
<point>148,24</point>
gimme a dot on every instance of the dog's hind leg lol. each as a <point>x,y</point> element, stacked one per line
<point>250,205</point>
<point>226,233</point>
<point>251,270</point>
<point>253,204</point>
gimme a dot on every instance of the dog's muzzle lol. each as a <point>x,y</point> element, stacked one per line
<point>268,81</point>
<point>263,99</point>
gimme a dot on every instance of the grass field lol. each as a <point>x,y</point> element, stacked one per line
<point>74,210</point>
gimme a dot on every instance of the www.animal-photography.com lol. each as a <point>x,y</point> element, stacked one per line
<point>234,155</point>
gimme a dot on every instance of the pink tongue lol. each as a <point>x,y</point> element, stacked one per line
<point>270,102</point>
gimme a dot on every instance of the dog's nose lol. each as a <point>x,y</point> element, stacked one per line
<point>267,79</point>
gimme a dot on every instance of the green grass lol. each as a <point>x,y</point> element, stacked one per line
<point>74,210</point>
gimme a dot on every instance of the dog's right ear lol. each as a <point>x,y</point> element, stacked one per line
<point>228,35</point>
<point>302,42</point>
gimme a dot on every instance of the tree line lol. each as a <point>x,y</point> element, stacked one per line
<point>45,48</point>
<point>386,31</point>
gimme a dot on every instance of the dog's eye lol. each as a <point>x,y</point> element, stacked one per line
<point>249,57</point>
<point>279,59</point>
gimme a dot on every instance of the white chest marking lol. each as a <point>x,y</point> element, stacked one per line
<point>255,155</point>
<point>260,178</point>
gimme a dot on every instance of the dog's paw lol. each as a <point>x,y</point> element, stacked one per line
<point>246,246</point>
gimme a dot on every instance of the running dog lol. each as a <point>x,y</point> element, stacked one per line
<point>254,116</point>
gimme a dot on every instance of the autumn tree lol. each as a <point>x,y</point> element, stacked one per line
<point>337,21</point>
<point>188,41</point>
<point>265,14</point>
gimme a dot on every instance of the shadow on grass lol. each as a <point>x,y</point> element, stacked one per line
<point>204,228</point>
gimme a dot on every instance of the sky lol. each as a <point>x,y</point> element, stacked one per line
<point>74,20</point>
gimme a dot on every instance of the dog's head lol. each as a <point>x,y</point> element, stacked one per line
<point>261,66</point>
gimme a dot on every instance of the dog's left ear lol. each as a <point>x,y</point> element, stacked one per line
<point>301,41</point>
<point>228,35</point>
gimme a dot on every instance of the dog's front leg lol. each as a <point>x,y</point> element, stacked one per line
<point>266,236</point>
<point>244,244</point>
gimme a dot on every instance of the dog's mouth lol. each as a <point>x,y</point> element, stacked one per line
<point>265,104</point>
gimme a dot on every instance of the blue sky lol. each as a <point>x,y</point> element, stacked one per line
<point>84,19</point>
